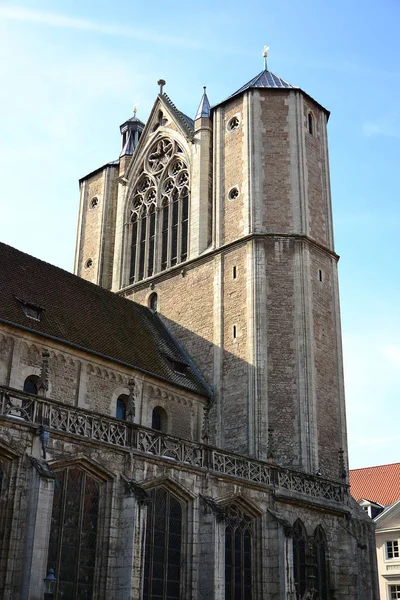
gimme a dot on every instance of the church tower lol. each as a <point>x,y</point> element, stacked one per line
<point>223,224</point>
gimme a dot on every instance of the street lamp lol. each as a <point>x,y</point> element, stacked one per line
<point>49,585</point>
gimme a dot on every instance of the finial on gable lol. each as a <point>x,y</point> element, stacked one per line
<point>161,83</point>
<point>265,56</point>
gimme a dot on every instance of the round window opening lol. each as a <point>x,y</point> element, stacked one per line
<point>88,263</point>
<point>94,202</point>
<point>233,123</point>
<point>233,193</point>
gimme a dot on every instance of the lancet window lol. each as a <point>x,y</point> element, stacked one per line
<point>73,533</point>
<point>238,554</point>
<point>159,211</point>
<point>320,564</point>
<point>299,559</point>
<point>163,551</point>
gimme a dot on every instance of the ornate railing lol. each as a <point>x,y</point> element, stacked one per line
<point>92,426</point>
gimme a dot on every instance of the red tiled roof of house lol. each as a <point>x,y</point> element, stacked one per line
<point>379,484</point>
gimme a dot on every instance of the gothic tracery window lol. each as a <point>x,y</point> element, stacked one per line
<point>163,550</point>
<point>238,554</point>
<point>320,564</point>
<point>73,533</point>
<point>159,210</point>
<point>299,559</point>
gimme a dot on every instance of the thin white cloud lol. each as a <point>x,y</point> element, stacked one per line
<point>392,353</point>
<point>387,125</point>
<point>15,13</point>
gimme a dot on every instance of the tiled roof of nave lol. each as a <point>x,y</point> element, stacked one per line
<point>89,317</point>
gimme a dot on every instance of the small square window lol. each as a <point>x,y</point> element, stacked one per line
<point>392,550</point>
<point>394,591</point>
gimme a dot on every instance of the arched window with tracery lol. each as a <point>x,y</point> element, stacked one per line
<point>159,211</point>
<point>73,533</point>
<point>238,554</point>
<point>320,564</point>
<point>299,558</point>
<point>163,550</point>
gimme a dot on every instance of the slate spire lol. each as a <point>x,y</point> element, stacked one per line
<point>204,107</point>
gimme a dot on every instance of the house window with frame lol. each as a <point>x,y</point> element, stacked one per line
<point>163,548</point>
<point>159,211</point>
<point>73,533</point>
<point>238,554</point>
<point>392,549</point>
<point>394,592</point>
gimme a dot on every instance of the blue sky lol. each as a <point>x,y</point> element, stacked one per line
<point>70,73</point>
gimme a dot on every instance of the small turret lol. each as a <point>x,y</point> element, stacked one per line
<point>131,131</point>
<point>204,107</point>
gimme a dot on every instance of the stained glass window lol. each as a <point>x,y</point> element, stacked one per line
<point>163,551</point>
<point>238,554</point>
<point>159,208</point>
<point>73,534</point>
<point>320,564</point>
<point>299,558</point>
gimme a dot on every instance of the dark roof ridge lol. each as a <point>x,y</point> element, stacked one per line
<point>185,121</point>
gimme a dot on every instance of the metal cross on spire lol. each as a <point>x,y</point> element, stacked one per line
<point>265,56</point>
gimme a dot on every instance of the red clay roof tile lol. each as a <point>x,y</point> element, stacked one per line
<point>379,484</point>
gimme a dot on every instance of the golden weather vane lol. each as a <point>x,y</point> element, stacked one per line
<point>265,56</point>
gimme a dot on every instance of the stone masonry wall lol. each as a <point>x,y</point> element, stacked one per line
<point>327,371</point>
<point>275,168</point>
<point>79,379</point>
<point>122,516</point>
<point>314,154</point>
<point>283,412</point>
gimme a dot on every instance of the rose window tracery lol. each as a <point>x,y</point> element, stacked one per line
<point>159,211</point>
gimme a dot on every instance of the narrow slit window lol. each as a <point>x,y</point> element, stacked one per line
<point>234,272</point>
<point>310,124</point>
<point>320,277</point>
<point>234,332</point>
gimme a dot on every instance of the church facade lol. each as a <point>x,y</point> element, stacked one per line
<point>172,417</point>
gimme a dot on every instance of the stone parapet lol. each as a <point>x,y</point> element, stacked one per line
<point>26,409</point>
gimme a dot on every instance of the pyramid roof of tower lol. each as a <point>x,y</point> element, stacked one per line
<point>87,317</point>
<point>268,81</point>
<point>265,79</point>
<point>378,484</point>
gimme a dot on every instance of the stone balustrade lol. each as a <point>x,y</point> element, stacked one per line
<point>70,420</point>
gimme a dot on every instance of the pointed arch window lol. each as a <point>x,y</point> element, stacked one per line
<point>159,209</point>
<point>320,564</point>
<point>163,549</point>
<point>73,533</point>
<point>299,558</point>
<point>238,554</point>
